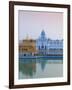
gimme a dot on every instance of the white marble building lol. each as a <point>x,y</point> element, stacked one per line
<point>48,46</point>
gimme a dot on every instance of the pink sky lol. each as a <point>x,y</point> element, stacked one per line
<point>32,23</point>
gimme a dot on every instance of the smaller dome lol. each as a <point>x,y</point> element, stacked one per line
<point>42,33</point>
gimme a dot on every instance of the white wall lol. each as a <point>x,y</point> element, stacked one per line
<point>4,46</point>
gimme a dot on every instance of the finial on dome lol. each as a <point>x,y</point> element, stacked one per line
<point>27,37</point>
<point>42,30</point>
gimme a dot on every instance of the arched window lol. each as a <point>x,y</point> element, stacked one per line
<point>42,46</point>
<point>45,47</point>
<point>39,47</point>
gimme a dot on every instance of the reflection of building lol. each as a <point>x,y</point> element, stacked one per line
<point>27,67</point>
<point>43,64</point>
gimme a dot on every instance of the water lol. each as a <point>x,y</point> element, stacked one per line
<point>40,68</point>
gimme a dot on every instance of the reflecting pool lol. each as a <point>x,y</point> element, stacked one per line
<point>40,68</point>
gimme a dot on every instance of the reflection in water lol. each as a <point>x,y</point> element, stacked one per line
<point>43,64</point>
<point>40,68</point>
<point>27,67</point>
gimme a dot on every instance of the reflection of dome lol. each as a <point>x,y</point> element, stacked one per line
<point>43,63</point>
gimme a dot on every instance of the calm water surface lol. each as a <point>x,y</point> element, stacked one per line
<point>40,68</point>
